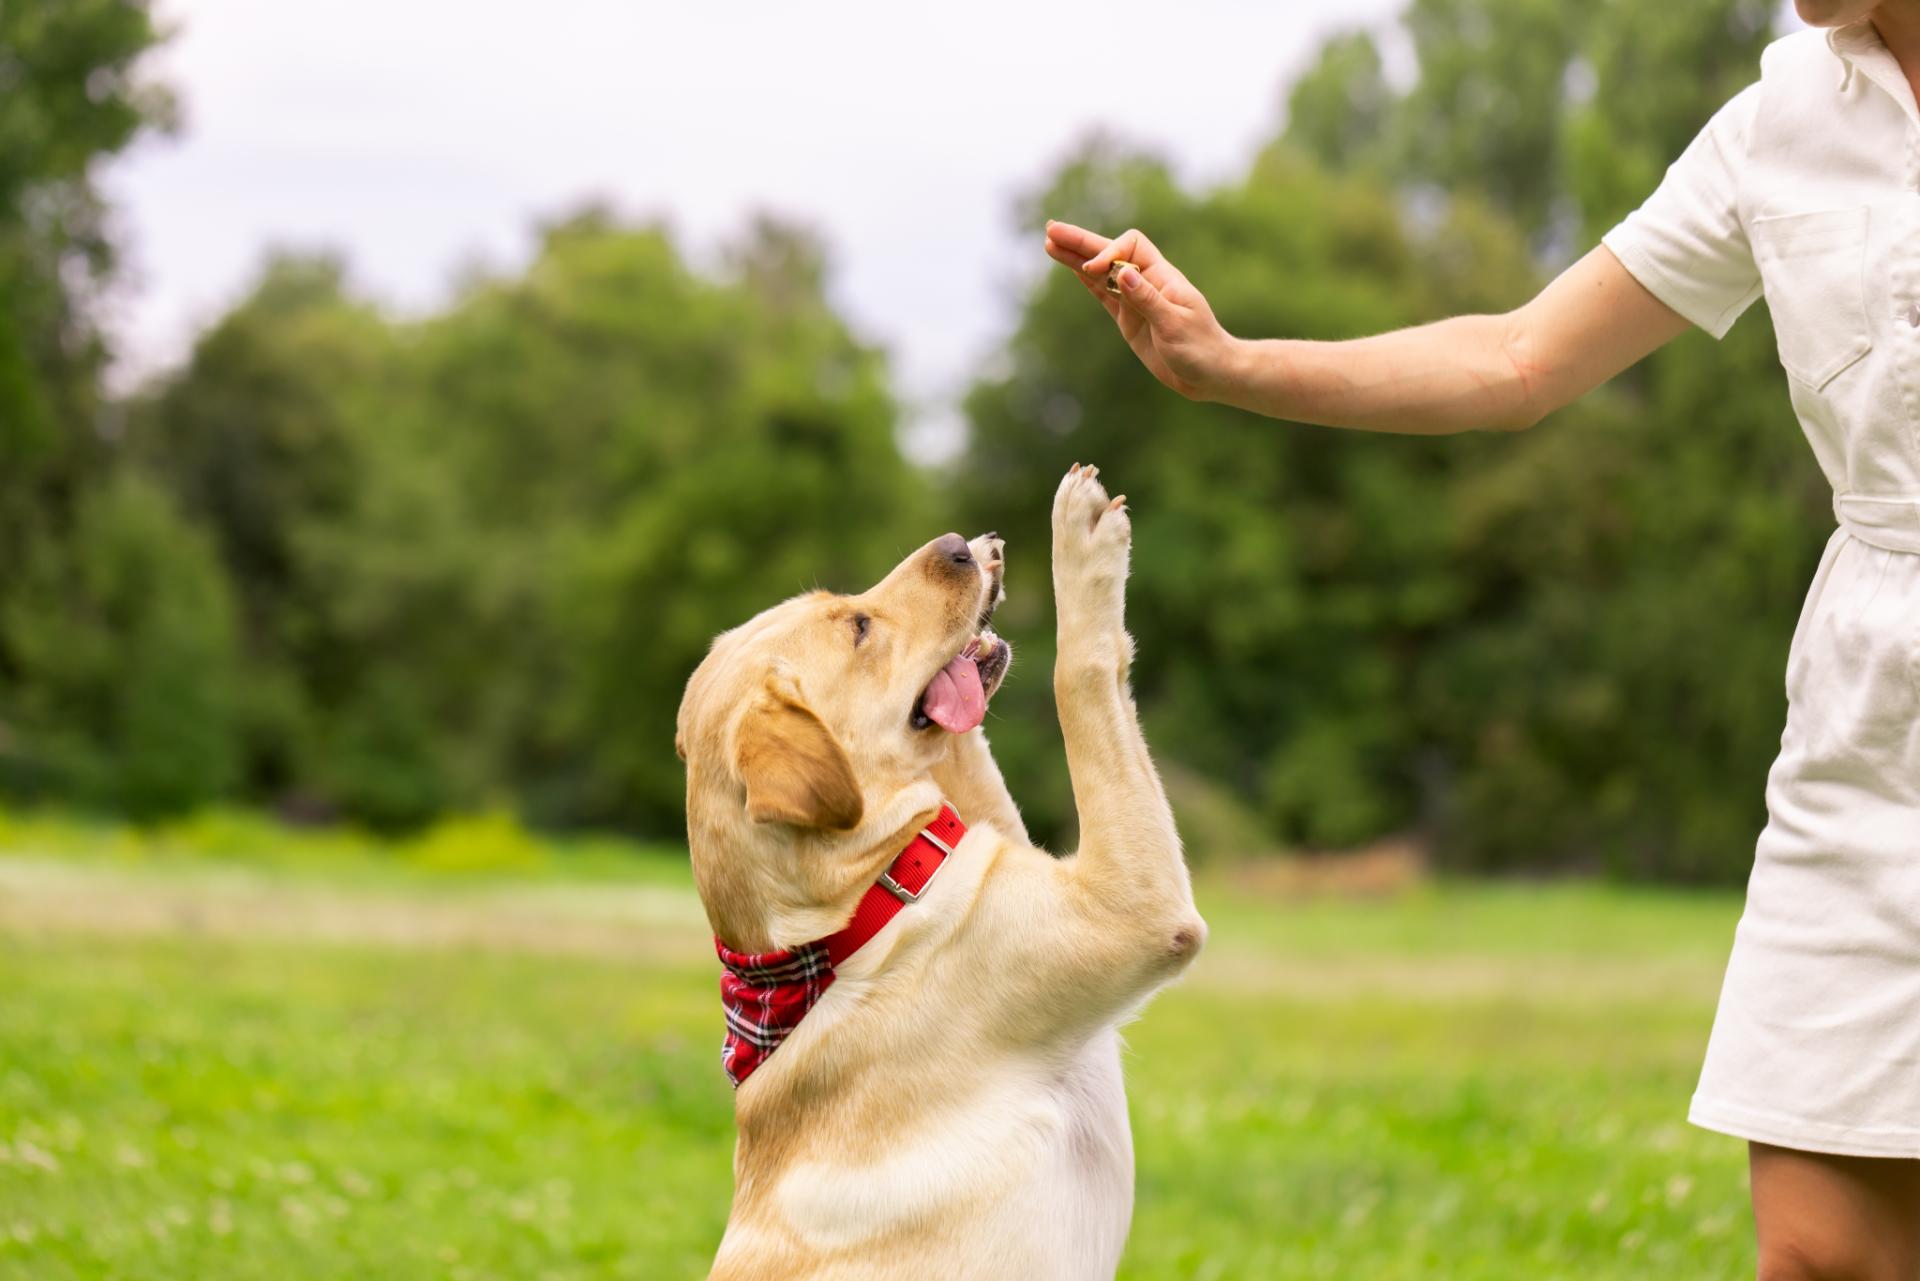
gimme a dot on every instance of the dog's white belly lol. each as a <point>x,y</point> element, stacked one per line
<point>1030,1168</point>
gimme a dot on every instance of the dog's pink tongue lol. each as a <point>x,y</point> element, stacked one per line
<point>955,700</point>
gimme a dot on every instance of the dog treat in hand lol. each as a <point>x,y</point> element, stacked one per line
<point>1113,274</point>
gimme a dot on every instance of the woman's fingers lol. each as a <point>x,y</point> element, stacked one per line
<point>1138,292</point>
<point>1074,239</point>
<point>1091,254</point>
<point>1129,246</point>
<point>1065,256</point>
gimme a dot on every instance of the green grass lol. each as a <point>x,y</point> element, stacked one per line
<point>211,1073</point>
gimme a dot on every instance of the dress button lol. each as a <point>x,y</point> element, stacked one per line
<point>1913,314</point>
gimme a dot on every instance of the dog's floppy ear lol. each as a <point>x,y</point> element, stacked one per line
<point>794,769</point>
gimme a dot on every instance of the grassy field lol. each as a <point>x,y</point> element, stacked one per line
<point>217,1068</point>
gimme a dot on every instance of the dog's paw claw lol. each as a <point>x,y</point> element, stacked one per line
<point>1081,500</point>
<point>1092,539</point>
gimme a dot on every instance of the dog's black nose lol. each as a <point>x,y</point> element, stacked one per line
<point>991,534</point>
<point>954,548</point>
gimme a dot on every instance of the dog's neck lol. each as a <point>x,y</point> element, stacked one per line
<point>822,874</point>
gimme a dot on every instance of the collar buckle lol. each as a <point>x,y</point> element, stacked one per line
<point>900,891</point>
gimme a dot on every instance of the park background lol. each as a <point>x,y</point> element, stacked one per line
<point>342,926</point>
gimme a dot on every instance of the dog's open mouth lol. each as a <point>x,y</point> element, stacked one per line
<point>956,698</point>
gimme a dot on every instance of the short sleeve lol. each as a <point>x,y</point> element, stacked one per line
<point>1686,244</point>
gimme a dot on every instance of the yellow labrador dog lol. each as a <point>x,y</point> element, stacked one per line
<point>950,1105</point>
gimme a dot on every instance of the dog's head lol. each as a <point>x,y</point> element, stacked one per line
<point>811,732</point>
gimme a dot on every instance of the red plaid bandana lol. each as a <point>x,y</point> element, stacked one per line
<point>766,994</point>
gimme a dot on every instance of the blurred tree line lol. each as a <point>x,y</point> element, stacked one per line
<point>351,566</point>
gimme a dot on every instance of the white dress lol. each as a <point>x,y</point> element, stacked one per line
<point>1807,187</point>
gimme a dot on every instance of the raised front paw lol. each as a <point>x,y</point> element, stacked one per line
<point>1091,538</point>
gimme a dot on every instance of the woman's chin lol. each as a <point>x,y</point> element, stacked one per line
<point>1833,13</point>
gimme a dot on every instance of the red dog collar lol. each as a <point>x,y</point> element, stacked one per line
<point>902,883</point>
<point>766,994</point>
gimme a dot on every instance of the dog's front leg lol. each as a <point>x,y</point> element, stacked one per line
<point>1128,872</point>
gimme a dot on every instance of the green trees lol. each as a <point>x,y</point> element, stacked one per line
<point>382,570</point>
<point>1288,583</point>
<point>478,555</point>
<point>121,638</point>
<point>113,617</point>
<point>634,457</point>
<point>1624,685</point>
<point>259,436</point>
<point>69,98</point>
<point>1560,649</point>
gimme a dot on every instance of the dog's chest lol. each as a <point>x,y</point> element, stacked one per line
<point>1033,1169</point>
<point>1088,1185</point>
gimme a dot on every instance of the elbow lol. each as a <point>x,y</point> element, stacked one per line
<point>1184,942</point>
<point>1522,376</point>
<point>1515,420</point>
<point>1149,929</point>
<point>1162,951</point>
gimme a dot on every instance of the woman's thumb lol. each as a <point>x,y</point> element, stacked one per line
<point>1138,293</point>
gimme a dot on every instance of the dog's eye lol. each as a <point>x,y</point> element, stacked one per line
<point>861,625</point>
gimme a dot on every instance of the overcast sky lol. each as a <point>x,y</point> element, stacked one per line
<point>418,135</point>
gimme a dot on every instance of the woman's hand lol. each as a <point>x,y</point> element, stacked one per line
<point>1163,317</point>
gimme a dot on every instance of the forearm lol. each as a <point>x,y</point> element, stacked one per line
<point>1499,373</point>
<point>1463,374</point>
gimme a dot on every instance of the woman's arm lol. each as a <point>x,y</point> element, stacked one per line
<point>1501,373</point>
